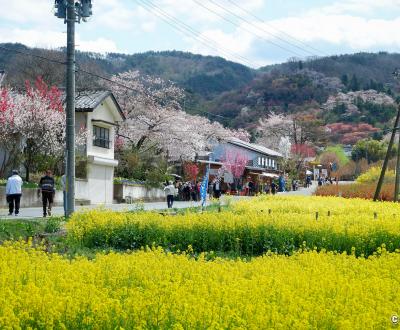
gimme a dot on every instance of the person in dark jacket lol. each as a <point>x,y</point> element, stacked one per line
<point>273,188</point>
<point>47,188</point>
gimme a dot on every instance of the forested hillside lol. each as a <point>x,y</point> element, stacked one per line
<point>236,95</point>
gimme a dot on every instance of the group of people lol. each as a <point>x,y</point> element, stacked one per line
<point>189,191</point>
<point>47,189</point>
<point>327,180</point>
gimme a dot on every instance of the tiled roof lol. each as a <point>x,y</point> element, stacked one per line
<point>254,147</point>
<point>87,101</point>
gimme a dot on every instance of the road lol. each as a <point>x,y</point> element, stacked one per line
<point>36,212</point>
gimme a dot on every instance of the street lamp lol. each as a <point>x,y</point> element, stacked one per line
<point>71,12</point>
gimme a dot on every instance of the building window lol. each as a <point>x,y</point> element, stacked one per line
<point>101,137</point>
<point>259,161</point>
<point>273,163</point>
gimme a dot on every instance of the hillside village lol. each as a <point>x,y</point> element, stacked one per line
<point>187,164</point>
<point>294,110</point>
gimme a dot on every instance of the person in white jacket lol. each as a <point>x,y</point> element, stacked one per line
<point>14,192</point>
<point>170,191</point>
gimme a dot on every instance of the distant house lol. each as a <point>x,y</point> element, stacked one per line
<point>263,164</point>
<point>99,113</point>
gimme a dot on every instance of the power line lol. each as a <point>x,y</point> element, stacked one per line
<point>274,28</point>
<point>191,32</point>
<point>44,58</point>
<point>249,31</point>
<point>259,28</point>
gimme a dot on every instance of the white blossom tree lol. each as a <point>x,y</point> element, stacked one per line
<point>155,120</point>
<point>273,129</point>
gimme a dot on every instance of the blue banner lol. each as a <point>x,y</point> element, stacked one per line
<point>204,186</point>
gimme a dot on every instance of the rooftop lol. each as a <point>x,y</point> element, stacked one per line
<point>254,147</point>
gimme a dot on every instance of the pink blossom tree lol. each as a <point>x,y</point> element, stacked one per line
<point>234,162</point>
<point>34,121</point>
<point>8,131</point>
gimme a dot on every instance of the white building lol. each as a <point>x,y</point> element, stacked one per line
<point>99,113</point>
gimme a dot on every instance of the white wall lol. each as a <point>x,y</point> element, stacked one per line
<point>102,112</point>
<point>100,184</point>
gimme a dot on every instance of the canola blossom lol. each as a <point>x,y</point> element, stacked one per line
<point>153,289</point>
<point>251,227</point>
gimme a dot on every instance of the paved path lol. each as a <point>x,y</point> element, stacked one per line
<point>302,191</point>
<point>36,212</point>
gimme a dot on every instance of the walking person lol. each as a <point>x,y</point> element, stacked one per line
<point>170,192</point>
<point>47,188</point>
<point>14,192</point>
<point>273,188</point>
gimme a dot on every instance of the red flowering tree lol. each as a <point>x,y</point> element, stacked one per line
<point>300,153</point>
<point>191,171</point>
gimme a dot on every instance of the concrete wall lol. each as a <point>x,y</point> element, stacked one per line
<point>29,198</point>
<point>124,192</point>
<point>100,184</point>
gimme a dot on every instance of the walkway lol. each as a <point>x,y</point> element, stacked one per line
<point>36,212</point>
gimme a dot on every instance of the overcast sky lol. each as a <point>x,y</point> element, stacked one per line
<point>253,32</point>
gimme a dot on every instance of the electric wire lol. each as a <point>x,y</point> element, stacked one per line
<point>191,32</point>
<point>276,29</point>
<point>248,30</point>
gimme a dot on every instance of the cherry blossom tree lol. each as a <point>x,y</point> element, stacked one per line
<point>273,129</point>
<point>35,122</point>
<point>235,163</point>
<point>8,131</point>
<point>156,122</point>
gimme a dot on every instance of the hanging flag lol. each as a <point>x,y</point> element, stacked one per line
<point>203,188</point>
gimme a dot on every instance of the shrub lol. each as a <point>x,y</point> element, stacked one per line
<point>365,191</point>
<point>372,176</point>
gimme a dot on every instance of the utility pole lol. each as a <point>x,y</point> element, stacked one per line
<point>396,74</point>
<point>385,162</point>
<point>71,12</point>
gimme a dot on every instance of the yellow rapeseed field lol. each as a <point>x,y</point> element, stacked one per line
<point>251,227</point>
<point>156,290</point>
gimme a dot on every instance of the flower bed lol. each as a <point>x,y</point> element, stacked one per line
<point>250,228</point>
<point>155,290</point>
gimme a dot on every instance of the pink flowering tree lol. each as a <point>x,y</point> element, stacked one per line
<point>235,163</point>
<point>35,122</point>
<point>9,136</point>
